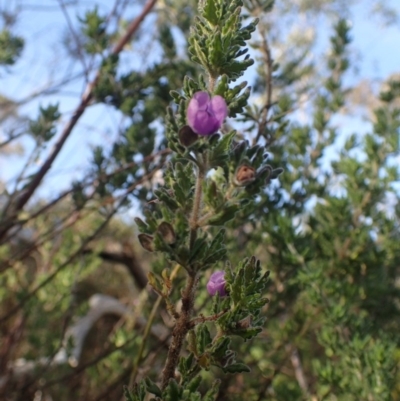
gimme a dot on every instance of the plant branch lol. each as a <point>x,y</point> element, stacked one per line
<point>268,74</point>
<point>147,330</point>
<point>127,258</point>
<point>180,330</point>
<point>194,219</point>
<point>85,101</point>
<point>58,270</point>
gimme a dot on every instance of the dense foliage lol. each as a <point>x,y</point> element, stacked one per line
<point>302,218</point>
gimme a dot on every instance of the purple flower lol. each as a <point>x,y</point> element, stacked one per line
<point>204,115</point>
<point>216,284</point>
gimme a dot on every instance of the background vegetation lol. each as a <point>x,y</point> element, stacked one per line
<point>74,300</point>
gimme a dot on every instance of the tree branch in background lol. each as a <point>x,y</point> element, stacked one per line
<point>127,258</point>
<point>266,52</point>
<point>85,101</point>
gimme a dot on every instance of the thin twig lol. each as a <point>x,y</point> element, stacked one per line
<point>86,182</point>
<point>12,138</point>
<point>203,319</point>
<point>298,369</point>
<point>268,72</point>
<point>147,330</point>
<point>76,38</point>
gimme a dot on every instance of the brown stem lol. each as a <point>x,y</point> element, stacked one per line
<point>211,83</point>
<point>181,328</point>
<point>86,182</point>
<point>183,323</point>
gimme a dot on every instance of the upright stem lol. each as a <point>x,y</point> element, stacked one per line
<point>182,325</point>
<point>198,192</point>
<point>211,82</point>
<point>181,328</point>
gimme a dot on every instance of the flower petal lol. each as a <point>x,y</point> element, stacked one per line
<point>216,283</point>
<point>202,99</point>
<point>219,108</point>
<point>204,115</point>
<point>202,123</point>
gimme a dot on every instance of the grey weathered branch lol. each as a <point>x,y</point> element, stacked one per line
<point>127,259</point>
<point>100,305</point>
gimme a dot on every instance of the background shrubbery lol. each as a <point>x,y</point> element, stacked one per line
<point>327,229</point>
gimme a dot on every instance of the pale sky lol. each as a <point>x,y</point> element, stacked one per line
<point>378,55</point>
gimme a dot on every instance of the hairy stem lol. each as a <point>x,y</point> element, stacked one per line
<point>211,82</point>
<point>194,219</point>
<point>183,324</point>
<point>181,328</point>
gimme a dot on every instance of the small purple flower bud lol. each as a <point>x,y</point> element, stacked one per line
<point>204,115</point>
<point>216,284</point>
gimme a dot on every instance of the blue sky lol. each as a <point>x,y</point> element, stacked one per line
<point>377,55</point>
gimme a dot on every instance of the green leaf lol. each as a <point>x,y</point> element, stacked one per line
<point>198,250</point>
<point>247,334</point>
<point>172,391</point>
<point>212,393</point>
<point>215,257</point>
<point>222,86</point>
<point>203,338</point>
<point>128,394</point>
<point>224,145</point>
<point>194,384</point>
<point>143,227</point>
<point>210,12</point>
<point>196,50</point>
<point>218,241</point>
<point>236,368</point>
<point>10,47</point>
<point>220,347</point>
<point>152,387</point>
<point>224,216</point>
<point>216,52</point>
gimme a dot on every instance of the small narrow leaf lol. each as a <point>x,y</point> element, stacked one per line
<point>236,368</point>
<point>152,387</point>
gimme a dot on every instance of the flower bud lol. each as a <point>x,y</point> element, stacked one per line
<point>187,137</point>
<point>146,241</point>
<point>167,232</point>
<point>244,175</point>
<point>217,284</point>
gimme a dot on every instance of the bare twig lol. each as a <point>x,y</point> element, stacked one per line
<point>86,182</point>
<point>268,75</point>
<point>298,369</point>
<point>81,249</point>
<point>76,38</point>
<point>12,138</point>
